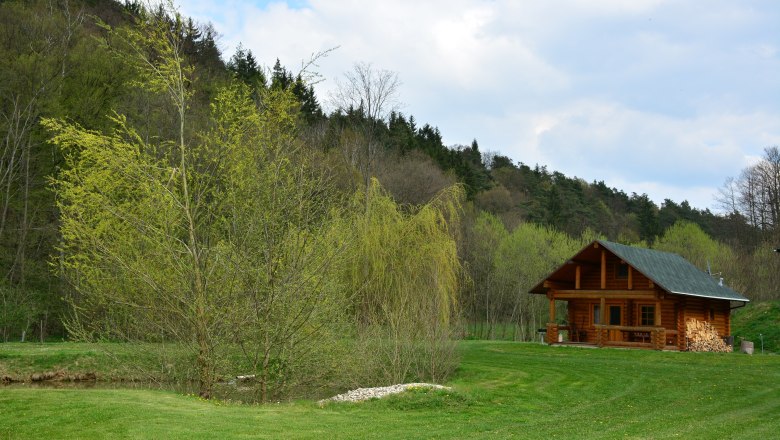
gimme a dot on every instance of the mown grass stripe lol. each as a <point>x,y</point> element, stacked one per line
<point>501,390</point>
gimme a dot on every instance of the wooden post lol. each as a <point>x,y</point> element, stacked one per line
<point>603,318</point>
<point>658,338</point>
<point>603,269</point>
<point>681,328</point>
<point>552,308</point>
<point>658,313</point>
<point>552,333</point>
<point>578,277</point>
<point>630,278</point>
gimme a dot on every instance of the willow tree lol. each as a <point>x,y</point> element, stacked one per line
<point>217,242</point>
<point>405,274</point>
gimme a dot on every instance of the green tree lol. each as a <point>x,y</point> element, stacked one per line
<point>504,266</point>
<point>485,298</point>
<point>279,215</point>
<point>281,79</point>
<point>691,242</point>
<point>245,68</point>
<point>204,241</point>
<point>688,240</point>
<point>310,108</point>
<point>406,277</point>
<point>373,95</point>
<point>36,39</point>
<point>761,272</point>
<point>530,253</point>
<point>647,216</point>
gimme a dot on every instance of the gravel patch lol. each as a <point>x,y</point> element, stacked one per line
<point>379,392</point>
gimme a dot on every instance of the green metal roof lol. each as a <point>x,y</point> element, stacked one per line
<point>672,272</point>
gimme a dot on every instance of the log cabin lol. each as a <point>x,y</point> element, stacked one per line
<point>625,296</point>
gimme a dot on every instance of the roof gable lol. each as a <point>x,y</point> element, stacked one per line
<point>672,272</point>
<point>668,271</point>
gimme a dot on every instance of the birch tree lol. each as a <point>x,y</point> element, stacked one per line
<point>373,94</point>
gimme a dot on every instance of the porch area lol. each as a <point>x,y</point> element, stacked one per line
<point>646,319</point>
<point>647,337</point>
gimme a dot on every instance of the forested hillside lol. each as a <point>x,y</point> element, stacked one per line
<point>125,144</point>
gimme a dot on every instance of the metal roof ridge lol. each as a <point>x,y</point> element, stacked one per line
<point>713,297</point>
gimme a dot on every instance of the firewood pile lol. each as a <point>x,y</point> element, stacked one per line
<point>702,336</point>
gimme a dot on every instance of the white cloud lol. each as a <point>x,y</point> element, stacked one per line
<point>668,98</point>
<point>644,152</point>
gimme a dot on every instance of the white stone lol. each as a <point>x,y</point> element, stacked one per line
<point>379,392</point>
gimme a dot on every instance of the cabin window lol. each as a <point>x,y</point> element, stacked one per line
<point>621,270</point>
<point>614,315</point>
<point>712,314</point>
<point>647,315</point>
<point>596,314</point>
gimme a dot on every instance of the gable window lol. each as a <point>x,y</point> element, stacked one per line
<point>621,270</point>
<point>647,315</point>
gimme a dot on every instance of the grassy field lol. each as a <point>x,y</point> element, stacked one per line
<point>109,361</point>
<point>755,319</point>
<point>502,390</point>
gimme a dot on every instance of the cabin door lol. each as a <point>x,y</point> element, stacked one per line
<point>615,317</point>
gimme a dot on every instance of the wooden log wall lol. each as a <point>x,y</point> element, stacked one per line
<point>716,312</point>
<point>580,316</point>
<point>658,339</point>
<point>591,277</point>
<point>675,311</point>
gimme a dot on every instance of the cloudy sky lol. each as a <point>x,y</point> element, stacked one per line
<point>667,98</point>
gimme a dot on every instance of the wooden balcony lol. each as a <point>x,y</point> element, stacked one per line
<point>633,336</point>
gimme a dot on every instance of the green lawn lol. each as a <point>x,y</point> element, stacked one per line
<point>502,390</point>
<point>756,320</point>
<point>109,361</point>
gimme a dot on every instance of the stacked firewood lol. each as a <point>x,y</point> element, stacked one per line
<point>702,336</point>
